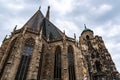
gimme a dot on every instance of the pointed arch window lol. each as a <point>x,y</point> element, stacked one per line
<point>25,60</point>
<point>98,66</point>
<point>57,65</point>
<point>71,67</point>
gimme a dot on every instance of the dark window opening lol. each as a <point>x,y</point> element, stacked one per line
<point>97,77</point>
<point>98,66</point>
<point>8,55</point>
<point>57,65</point>
<point>97,55</point>
<point>87,37</point>
<point>25,60</point>
<point>92,56</point>
<point>71,67</point>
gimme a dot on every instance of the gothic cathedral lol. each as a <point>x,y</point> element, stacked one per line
<point>41,51</point>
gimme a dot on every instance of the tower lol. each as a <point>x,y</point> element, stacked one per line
<point>41,51</point>
<point>99,61</point>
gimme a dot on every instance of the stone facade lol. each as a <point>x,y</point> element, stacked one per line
<point>88,59</point>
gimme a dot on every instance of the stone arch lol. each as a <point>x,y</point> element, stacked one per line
<point>57,64</point>
<point>25,59</point>
<point>71,66</point>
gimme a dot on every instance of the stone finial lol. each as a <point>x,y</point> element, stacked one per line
<point>74,36</point>
<point>40,34</point>
<point>24,30</point>
<point>5,38</point>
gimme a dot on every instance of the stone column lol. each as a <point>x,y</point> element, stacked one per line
<point>78,65</point>
<point>34,64</point>
<point>64,55</point>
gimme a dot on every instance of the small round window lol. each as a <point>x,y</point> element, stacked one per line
<point>87,37</point>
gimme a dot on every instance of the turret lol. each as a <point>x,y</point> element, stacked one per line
<point>87,34</point>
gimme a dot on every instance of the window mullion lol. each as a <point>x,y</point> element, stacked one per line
<point>21,67</point>
<point>26,64</point>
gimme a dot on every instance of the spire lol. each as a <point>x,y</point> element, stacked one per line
<point>5,38</point>
<point>74,36</point>
<point>15,28</point>
<point>85,26</point>
<point>39,7</point>
<point>48,13</point>
<point>86,29</point>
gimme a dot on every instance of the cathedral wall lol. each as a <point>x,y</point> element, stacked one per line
<point>9,56</point>
<point>77,59</point>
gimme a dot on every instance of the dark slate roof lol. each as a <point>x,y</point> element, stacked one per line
<point>50,30</point>
<point>86,29</point>
<point>38,22</point>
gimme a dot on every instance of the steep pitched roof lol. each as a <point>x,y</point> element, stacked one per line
<point>50,30</point>
<point>38,22</point>
<point>35,21</point>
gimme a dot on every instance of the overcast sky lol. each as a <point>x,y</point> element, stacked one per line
<point>102,16</point>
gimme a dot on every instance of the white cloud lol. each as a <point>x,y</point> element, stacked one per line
<point>15,6</point>
<point>114,31</point>
<point>99,31</point>
<point>61,6</point>
<point>102,9</point>
<point>69,27</point>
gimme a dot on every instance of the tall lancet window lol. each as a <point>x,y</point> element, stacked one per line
<point>57,64</point>
<point>25,60</point>
<point>71,67</point>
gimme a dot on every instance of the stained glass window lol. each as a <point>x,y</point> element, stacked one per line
<point>25,60</point>
<point>57,65</point>
<point>71,67</point>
